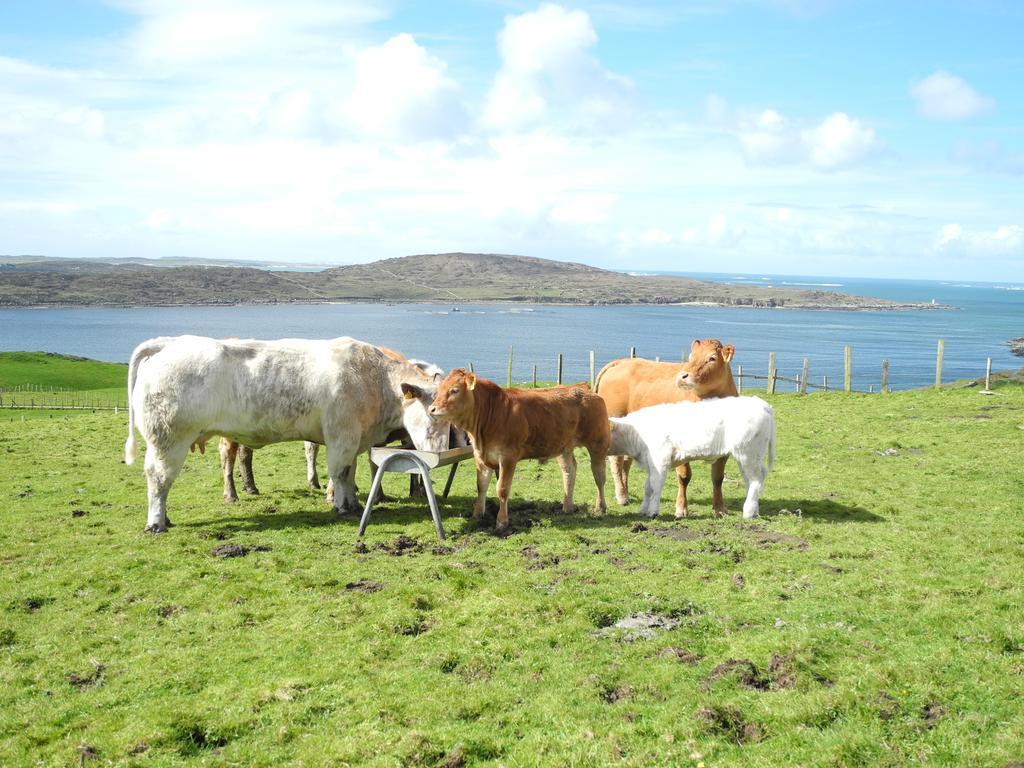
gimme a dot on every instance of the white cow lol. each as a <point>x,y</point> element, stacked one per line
<point>343,393</point>
<point>664,436</point>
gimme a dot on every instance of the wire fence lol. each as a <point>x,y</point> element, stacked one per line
<point>41,397</point>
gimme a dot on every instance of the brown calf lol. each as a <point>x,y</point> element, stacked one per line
<point>630,384</point>
<point>509,425</point>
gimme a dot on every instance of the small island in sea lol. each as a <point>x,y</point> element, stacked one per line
<point>451,278</point>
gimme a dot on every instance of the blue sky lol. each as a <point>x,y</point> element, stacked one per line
<point>780,136</point>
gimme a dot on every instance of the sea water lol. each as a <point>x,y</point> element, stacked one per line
<point>983,318</point>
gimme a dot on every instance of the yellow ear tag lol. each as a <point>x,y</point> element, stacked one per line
<point>471,381</point>
<point>409,395</point>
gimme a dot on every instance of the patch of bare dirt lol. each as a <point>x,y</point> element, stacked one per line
<point>730,723</point>
<point>932,713</point>
<point>763,537</point>
<point>536,562</point>
<point>88,680</point>
<point>364,585</point>
<point>611,694</point>
<point>678,533</point>
<point>237,550</point>
<point>402,545</point>
<point>779,674</point>
<point>682,655</point>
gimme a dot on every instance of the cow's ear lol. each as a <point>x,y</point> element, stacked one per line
<point>471,381</point>
<point>411,391</point>
<point>438,377</point>
<point>694,345</point>
<point>728,351</point>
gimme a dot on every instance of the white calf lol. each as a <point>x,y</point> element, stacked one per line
<point>664,436</point>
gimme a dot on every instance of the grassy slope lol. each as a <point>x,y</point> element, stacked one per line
<point>59,371</point>
<point>892,585</point>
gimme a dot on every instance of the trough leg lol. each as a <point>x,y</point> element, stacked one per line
<point>371,498</point>
<point>451,476</point>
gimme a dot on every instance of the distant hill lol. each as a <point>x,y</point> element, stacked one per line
<point>446,277</point>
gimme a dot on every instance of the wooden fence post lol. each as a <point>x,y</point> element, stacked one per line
<point>803,376</point>
<point>885,377</point>
<point>938,362</point>
<point>632,351</point>
<point>471,368</point>
<point>508,378</point>
<point>847,368</point>
<point>773,381</point>
<point>771,372</point>
<point>593,368</point>
<point>559,367</point>
<point>657,358</point>
<point>534,376</point>
<point>739,379</point>
<point>824,383</point>
<point>988,374</point>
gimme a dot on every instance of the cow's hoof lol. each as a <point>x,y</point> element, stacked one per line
<point>651,515</point>
<point>155,529</point>
<point>599,511</point>
<point>722,513</point>
<point>313,484</point>
<point>622,499</point>
<point>230,499</point>
<point>502,531</point>
<point>681,513</point>
<point>253,491</point>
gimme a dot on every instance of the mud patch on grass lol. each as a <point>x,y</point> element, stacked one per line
<point>534,560</point>
<point>412,627</point>
<point>678,533</point>
<point>639,626</point>
<point>763,538</point>
<point>682,655</point>
<point>638,528</point>
<point>780,673</point>
<point>167,611</point>
<point>886,705</point>
<point>91,679</point>
<point>237,550</point>
<point>610,694</point>
<point>931,714</point>
<point>402,545</point>
<point>78,513</point>
<point>729,723</point>
<point>364,585</point>
<point>738,582</point>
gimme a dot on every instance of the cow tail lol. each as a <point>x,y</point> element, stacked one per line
<point>140,353</point>
<point>771,440</point>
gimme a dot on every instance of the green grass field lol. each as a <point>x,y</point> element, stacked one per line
<point>871,617</point>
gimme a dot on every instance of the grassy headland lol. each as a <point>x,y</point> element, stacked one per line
<point>450,278</point>
<point>870,618</point>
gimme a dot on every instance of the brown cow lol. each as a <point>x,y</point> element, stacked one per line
<point>629,384</point>
<point>508,425</point>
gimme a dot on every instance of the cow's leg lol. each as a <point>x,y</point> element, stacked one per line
<point>620,476</point>
<point>597,469</point>
<point>341,465</point>
<point>228,450</point>
<point>505,471</point>
<point>652,491</point>
<point>753,474</point>
<point>717,477</point>
<point>311,450</point>
<point>567,461</point>
<point>162,467</point>
<point>248,481</point>
<point>683,473</point>
<point>483,482</point>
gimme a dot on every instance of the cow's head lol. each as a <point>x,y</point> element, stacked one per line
<point>427,433</point>
<point>454,400</point>
<point>708,366</point>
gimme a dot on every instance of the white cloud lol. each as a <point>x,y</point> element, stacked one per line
<point>547,73</point>
<point>402,91</point>
<point>1005,240</point>
<point>942,96</point>
<point>838,141</point>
